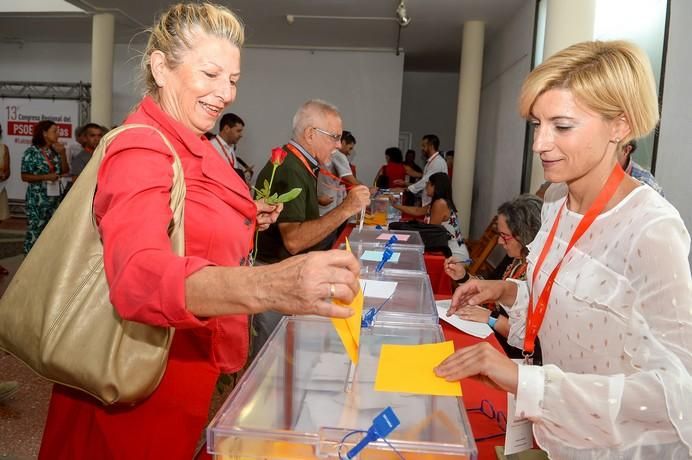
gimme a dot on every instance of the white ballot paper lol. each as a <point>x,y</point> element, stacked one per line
<point>480,330</point>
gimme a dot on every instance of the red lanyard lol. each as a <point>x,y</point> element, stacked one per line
<point>536,315</point>
<point>51,166</point>
<point>291,148</point>
<point>225,152</point>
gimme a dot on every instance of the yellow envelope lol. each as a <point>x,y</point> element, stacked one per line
<point>349,328</point>
<point>409,369</point>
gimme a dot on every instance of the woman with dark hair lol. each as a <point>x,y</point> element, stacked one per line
<point>518,222</point>
<point>42,165</point>
<point>393,172</point>
<point>440,211</point>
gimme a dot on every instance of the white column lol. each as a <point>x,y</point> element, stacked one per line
<point>567,22</point>
<point>102,46</point>
<point>470,74</point>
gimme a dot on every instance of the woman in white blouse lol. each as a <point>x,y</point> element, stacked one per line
<point>617,330</point>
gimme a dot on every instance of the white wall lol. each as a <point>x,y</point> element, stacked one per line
<point>674,160</point>
<point>500,129</point>
<point>429,106</point>
<point>366,86</point>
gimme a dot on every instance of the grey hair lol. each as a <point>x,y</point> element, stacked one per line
<point>308,114</point>
<point>523,216</point>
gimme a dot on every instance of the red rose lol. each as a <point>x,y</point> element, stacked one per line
<point>278,156</point>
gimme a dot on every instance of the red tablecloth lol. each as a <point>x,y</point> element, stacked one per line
<point>474,392</point>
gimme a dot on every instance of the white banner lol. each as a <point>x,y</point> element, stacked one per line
<point>18,118</point>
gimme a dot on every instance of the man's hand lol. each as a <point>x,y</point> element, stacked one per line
<point>358,198</point>
<point>267,214</point>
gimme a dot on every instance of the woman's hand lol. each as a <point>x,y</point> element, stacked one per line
<point>483,362</point>
<point>478,292</point>
<point>454,268</point>
<point>51,177</point>
<point>306,284</point>
<point>267,214</point>
<point>474,313</point>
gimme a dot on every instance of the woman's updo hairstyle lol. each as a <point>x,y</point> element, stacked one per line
<point>175,31</point>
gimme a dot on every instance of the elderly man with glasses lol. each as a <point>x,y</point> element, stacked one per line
<point>317,132</point>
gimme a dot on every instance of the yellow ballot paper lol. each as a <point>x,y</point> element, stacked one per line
<point>349,328</point>
<point>409,369</point>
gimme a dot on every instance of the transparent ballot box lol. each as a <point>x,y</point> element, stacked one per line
<point>403,258</point>
<point>301,397</point>
<point>401,297</point>
<point>381,208</point>
<point>372,235</point>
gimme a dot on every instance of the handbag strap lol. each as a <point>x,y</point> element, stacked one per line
<point>177,202</point>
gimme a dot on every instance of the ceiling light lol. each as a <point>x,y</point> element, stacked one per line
<point>401,16</point>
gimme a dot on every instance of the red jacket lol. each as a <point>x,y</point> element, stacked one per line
<point>147,281</point>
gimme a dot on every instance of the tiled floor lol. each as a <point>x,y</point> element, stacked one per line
<point>22,416</point>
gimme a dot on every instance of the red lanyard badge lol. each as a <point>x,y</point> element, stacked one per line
<point>536,314</point>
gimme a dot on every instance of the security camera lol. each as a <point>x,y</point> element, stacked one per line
<point>290,18</point>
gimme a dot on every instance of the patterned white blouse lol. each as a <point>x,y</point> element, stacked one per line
<point>617,336</point>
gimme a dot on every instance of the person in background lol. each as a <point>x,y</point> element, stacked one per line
<point>409,198</point>
<point>635,170</point>
<point>4,175</point>
<point>191,65</point>
<point>76,146</point>
<point>392,173</point>
<point>430,145</point>
<point>608,288</point>
<point>336,176</point>
<point>231,129</point>
<point>42,165</point>
<point>440,211</point>
<point>300,228</point>
<point>92,134</point>
<point>449,158</point>
<point>518,222</point>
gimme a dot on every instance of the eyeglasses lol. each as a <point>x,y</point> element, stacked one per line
<point>505,237</point>
<point>335,137</point>
<point>488,410</point>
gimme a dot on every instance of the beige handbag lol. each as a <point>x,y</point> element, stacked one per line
<point>56,315</point>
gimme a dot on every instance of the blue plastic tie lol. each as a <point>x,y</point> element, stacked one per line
<point>385,422</point>
<point>386,255</point>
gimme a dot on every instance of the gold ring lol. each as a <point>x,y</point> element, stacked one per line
<point>332,290</point>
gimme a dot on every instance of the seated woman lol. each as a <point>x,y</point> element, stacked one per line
<point>518,222</point>
<point>441,211</point>
<point>393,173</point>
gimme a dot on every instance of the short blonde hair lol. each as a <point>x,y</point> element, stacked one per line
<point>610,78</point>
<point>174,32</point>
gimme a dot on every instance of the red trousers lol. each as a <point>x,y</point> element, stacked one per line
<point>167,424</point>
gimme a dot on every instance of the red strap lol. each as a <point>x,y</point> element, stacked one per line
<point>291,148</point>
<point>535,316</point>
<point>51,166</point>
<point>225,152</point>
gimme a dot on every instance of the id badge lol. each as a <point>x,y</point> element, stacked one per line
<point>519,434</point>
<point>53,188</point>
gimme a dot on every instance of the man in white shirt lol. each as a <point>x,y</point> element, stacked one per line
<point>231,129</point>
<point>330,191</point>
<point>430,145</point>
